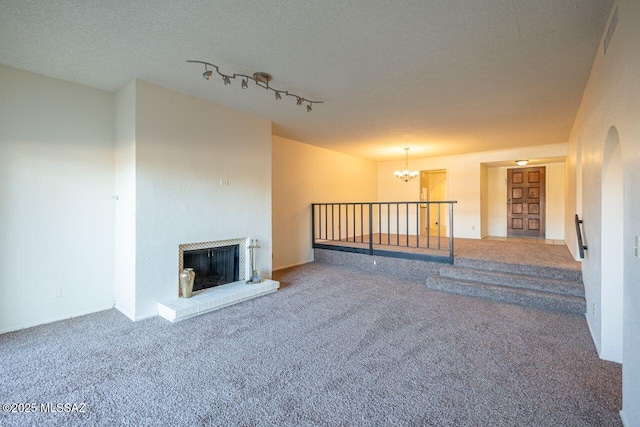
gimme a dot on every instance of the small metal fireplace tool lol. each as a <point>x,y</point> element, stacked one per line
<point>255,274</point>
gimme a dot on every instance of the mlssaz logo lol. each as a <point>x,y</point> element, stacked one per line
<point>63,407</point>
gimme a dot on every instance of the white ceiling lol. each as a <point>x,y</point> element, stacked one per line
<point>439,76</point>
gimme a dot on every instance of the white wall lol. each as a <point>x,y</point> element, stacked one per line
<point>463,176</point>
<point>484,201</point>
<point>304,174</point>
<point>125,189</point>
<point>56,209</point>
<point>497,209</point>
<point>184,147</point>
<point>554,205</point>
<point>611,99</point>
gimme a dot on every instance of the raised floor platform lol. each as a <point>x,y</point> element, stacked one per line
<point>215,298</point>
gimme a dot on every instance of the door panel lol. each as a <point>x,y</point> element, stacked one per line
<point>526,202</point>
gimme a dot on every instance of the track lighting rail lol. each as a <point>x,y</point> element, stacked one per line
<point>261,79</point>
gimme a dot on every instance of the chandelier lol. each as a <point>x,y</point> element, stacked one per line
<point>406,174</point>
<point>261,79</point>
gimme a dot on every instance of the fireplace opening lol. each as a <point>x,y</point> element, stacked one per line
<point>213,266</point>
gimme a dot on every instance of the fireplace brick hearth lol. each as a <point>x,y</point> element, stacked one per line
<point>216,297</point>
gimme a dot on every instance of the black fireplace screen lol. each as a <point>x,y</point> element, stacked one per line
<point>213,266</point>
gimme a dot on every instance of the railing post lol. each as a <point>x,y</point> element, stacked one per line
<point>313,225</point>
<point>451,232</point>
<point>370,228</point>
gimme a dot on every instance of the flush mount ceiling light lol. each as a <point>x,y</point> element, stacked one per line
<point>522,162</point>
<point>261,79</point>
<point>406,174</point>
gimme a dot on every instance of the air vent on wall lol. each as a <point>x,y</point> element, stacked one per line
<point>611,30</point>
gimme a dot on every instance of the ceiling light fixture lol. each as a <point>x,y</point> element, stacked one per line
<point>406,175</point>
<point>522,162</point>
<point>261,79</point>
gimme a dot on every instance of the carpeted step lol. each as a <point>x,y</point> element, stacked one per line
<point>537,283</point>
<point>526,297</point>
<point>558,273</point>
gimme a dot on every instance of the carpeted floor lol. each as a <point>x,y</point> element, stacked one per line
<point>334,346</point>
<point>523,251</point>
<point>516,252</point>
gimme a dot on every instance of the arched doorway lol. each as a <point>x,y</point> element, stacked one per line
<point>612,257</point>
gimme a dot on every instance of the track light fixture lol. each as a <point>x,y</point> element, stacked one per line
<point>261,79</point>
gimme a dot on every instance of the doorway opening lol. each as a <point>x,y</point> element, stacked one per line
<point>433,187</point>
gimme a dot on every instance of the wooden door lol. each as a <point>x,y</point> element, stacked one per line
<point>526,202</point>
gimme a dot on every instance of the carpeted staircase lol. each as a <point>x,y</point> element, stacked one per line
<point>550,288</point>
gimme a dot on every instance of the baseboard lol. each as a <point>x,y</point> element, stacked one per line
<point>55,319</point>
<point>593,337</point>
<point>138,318</point>
<point>601,355</point>
<point>623,418</point>
<point>608,358</point>
<point>291,265</point>
<point>145,316</point>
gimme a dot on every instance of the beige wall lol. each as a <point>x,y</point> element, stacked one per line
<point>57,214</point>
<point>610,108</point>
<point>303,174</point>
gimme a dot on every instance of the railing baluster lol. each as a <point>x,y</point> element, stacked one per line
<point>428,227</point>
<point>370,229</point>
<point>361,225</point>
<point>451,232</point>
<point>313,225</point>
<point>388,223</point>
<point>333,223</point>
<point>406,211</point>
<point>417,225</point>
<point>346,222</point>
<point>397,224</point>
<point>439,226</point>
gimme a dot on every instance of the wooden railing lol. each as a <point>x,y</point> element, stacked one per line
<point>412,230</point>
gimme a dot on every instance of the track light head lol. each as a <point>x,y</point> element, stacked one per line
<point>207,74</point>
<point>278,97</point>
<point>244,84</point>
<point>309,108</point>
<point>299,101</point>
<point>226,80</point>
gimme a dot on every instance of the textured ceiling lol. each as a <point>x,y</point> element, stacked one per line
<point>439,76</point>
